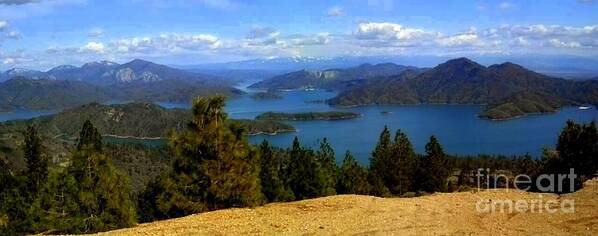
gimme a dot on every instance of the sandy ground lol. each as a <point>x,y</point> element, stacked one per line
<point>438,214</point>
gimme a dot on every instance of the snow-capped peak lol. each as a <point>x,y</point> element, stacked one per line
<point>14,71</point>
<point>64,67</point>
<point>100,63</point>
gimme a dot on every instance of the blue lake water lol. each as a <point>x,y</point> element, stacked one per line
<point>457,127</point>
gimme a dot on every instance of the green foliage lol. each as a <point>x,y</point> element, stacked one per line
<point>577,149</point>
<point>327,165</point>
<point>88,196</point>
<point>215,167</point>
<point>305,178</point>
<point>353,178</point>
<point>89,138</point>
<point>272,165</point>
<point>37,163</point>
<point>402,162</point>
<point>433,169</point>
<point>392,164</point>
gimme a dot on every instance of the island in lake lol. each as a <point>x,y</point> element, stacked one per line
<point>329,115</point>
<point>269,95</point>
<point>132,120</point>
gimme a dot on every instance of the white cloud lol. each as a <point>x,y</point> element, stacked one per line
<point>387,31</point>
<point>9,61</point>
<point>466,39</point>
<point>167,43</point>
<point>95,32</point>
<point>93,47</point>
<point>335,11</point>
<point>560,44</point>
<point>14,34</point>
<point>262,32</point>
<point>3,25</point>
<point>318,39</point>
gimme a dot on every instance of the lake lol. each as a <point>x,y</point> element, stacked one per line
<point>457,127</point>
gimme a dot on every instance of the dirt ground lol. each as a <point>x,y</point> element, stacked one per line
<point>438,214</point>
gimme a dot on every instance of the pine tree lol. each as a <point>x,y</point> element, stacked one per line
<point>215,167</point>
<point>305,179</point>
<point>378,164</point>
<point>37,163</point>
<point>577,148</point>
<point>91,195</point>
<point>271,178</point>
<point>353,177</point>
<point>327,165</point>
<point>401,165</point>
<point>89,138</point>
<point>433,168</point>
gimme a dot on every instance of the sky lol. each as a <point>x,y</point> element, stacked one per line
<point>40,34</point>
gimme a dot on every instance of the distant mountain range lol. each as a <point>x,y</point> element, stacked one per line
<point>109,73</point>
<point>571,66</point>
<point>339,79</point>
<point>508,90</point>
<point>138,80</point>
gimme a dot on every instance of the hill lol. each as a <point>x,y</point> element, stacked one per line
<point>47,94</point>
<point>127,120</point>
<point>438,214</point>
<point>331,78</point>
<point>507,89</point>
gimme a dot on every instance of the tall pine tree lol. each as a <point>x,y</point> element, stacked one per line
<point>433,168</point>
<point>215,167</point>
<point>353,177</point>
<point>378,164</point>
<point>327,165</point>
<point>37,163</point>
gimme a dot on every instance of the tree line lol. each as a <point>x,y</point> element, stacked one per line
<point>214,167</point>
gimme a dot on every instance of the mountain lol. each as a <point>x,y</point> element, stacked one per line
<point>45,94</point>
<point>20,72</point>
<point>98,73</point>
<point>331,78</point>
<point>106,73</point>
<point>509,90</point>
<point>125,120</point>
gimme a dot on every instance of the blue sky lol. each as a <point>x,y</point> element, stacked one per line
<point>41,34</point>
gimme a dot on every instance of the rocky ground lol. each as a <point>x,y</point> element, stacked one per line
<point>438,214</point>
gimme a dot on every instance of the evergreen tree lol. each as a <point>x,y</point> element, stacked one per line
<point>305,179</point>
<point>89,138</point>
<point>378,164</point>
<point>401,165</point>
<point>90,195</point>
<point>577,148</point>
<point>327,165</point>
<point>37,163</point>
<point>215,167</point>
<point>271,178</point>
<point>433,168</point>
<point>353,177</point>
